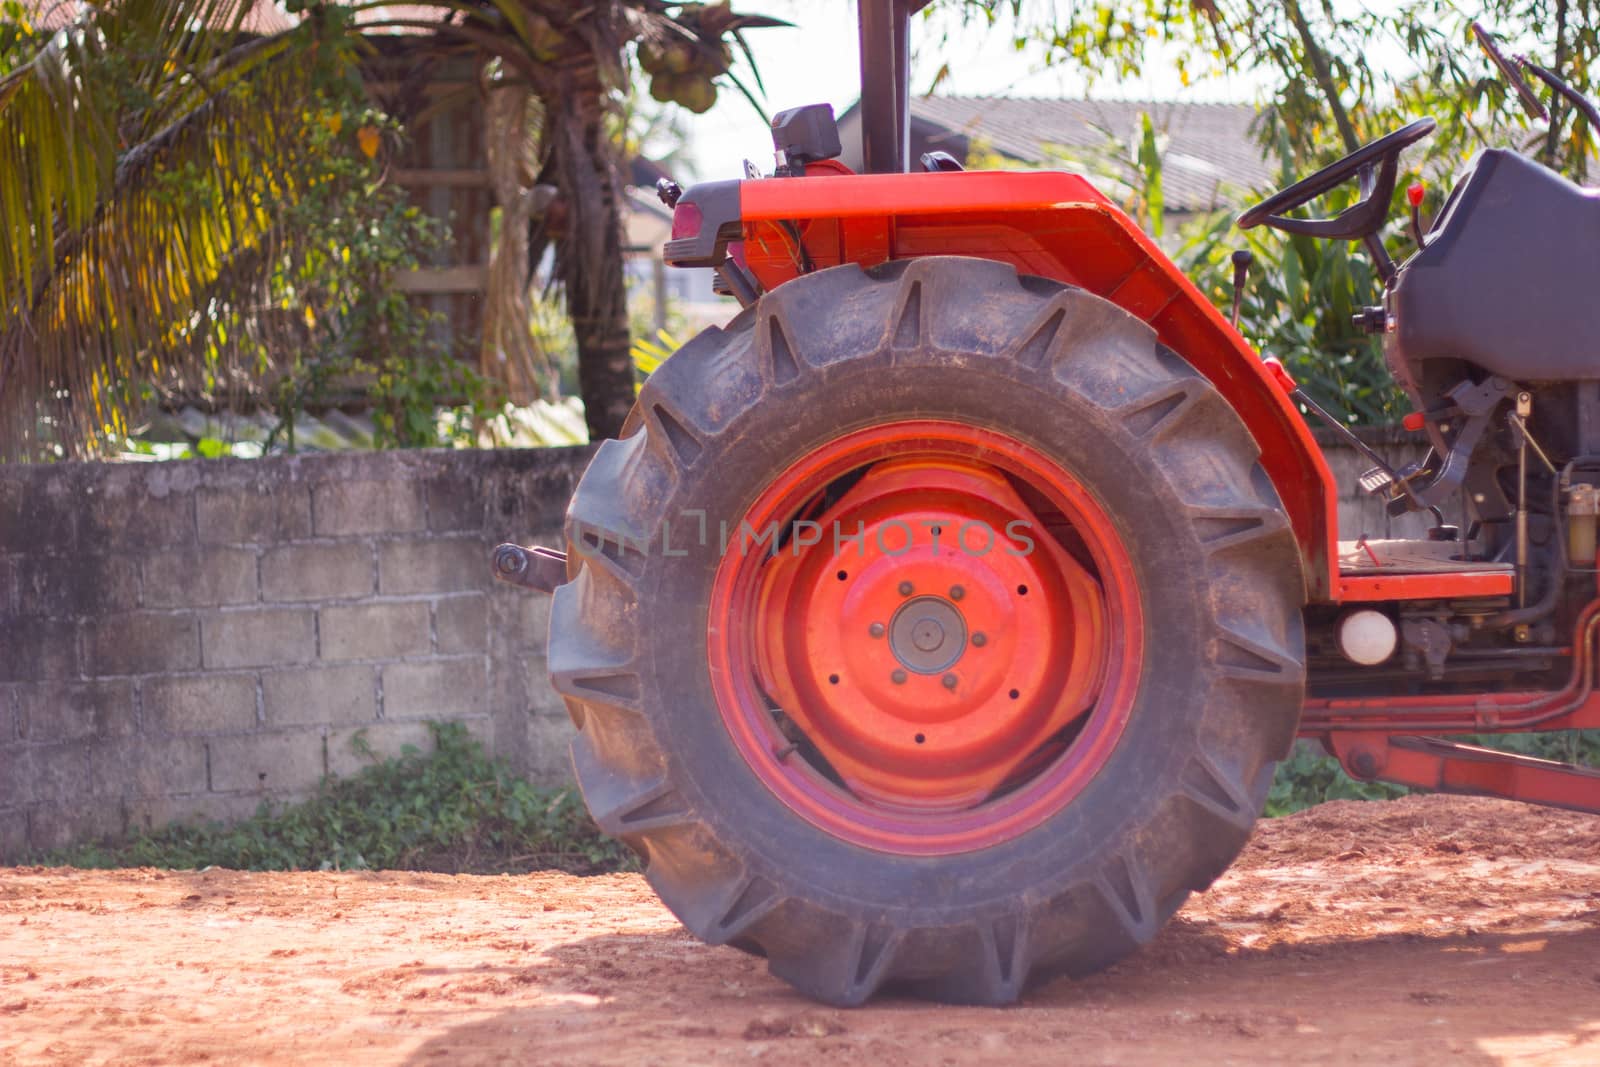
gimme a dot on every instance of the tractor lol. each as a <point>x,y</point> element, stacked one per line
<point>936,624</point>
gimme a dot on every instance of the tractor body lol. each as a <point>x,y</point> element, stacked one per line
<point>937,623</point>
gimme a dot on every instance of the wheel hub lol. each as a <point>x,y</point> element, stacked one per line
<point>924,650</point>
<point>927,634</point>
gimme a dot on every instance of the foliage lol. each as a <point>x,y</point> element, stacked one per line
<point>1335,76</point>
<point>146,152</point>
<point>1311,777</point>
<point>452,809</point>
<point>347,324</point>
<point>1296,306</point>
<point>650,352</point>
<point>152,155</point>
<point>575,60</point>
<point>1301,292</point>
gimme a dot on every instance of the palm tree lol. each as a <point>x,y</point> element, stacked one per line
<point>143,146</point>
<point>147,148</point>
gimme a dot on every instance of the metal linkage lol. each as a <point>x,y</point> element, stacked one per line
<point>1442,766</point>
<point>537,568</point>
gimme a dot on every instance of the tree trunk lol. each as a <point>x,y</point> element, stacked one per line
<point>589,247</point>
<point>509,353</point>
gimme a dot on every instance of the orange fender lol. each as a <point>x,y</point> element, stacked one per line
<point>1058,226</point>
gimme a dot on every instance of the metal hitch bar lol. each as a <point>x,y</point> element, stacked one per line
<point>1437,765</point>
<point>538,568</point>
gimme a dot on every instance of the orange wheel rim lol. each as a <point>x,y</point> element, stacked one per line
<point>925,637</point>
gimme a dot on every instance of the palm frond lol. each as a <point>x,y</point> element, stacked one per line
<point>144,153</point>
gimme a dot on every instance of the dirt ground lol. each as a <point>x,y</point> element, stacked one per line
<point>1423,931</point>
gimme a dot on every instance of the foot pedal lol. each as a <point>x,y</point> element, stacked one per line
<point>1376,480</point>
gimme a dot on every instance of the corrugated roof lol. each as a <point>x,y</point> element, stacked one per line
<point>1209,157</point>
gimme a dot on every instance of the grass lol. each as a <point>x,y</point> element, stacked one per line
<point>456,810</point>
<point>452,809</point>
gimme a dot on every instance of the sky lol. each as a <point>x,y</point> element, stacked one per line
<point>816,62</point>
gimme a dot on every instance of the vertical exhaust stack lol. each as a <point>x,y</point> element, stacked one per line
<point>886,83</point>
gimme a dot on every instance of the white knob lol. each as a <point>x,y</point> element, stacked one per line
<point>1367,637</point>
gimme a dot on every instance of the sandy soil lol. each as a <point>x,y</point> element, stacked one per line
<point>1424,931</point>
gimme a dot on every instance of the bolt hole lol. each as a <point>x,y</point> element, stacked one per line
<point>833,679</point>
<point>920,739</point>
<point>842,575</point>
<point>1015,693</point>
<point>937,530</point>
<point>1022,590</point>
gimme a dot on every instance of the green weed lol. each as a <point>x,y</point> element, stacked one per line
<point>452,809</point>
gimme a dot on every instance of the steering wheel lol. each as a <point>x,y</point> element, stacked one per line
<point>1377,164</point>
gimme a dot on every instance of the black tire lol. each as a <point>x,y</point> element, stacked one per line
<point>1089,386</point>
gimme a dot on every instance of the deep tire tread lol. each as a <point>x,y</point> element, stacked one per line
<point>1116,373</point>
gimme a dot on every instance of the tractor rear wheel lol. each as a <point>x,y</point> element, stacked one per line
<point>936,628</point>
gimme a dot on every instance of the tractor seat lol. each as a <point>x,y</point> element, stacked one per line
<point>1507,280</point>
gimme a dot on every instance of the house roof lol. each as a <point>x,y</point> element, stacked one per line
<point>1209,159</point>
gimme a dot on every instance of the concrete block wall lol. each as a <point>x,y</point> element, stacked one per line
<point>183,640</point>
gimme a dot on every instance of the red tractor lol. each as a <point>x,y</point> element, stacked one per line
<point>937,623</point>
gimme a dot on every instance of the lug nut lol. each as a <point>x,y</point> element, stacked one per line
<point>956,592</point>
<point>980,639</point>
<point>949,681</point>
<point>876,629</point>
<point>905,588</point>
<point>898,677</point>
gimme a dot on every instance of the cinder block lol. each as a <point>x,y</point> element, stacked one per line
<point>13,835</point>
<point>531,629</point>
<point>262,763</point>
<point>140,511</point>
<point>58,826</point>
<point>316,571</point>
<point>375,631</point>
<point>39,513</point>
<point>199,704</point>
<point>201,577</point>
<point>45,774</point>
<point>142,643</point>
<point>33,648</point>
<point>385,740</point>
<point>549,760</point>
<point>340,508</point>
<point>253,514</point>
<point>442,565</point>
<point>543,700</point>
<point>148,766</point>
<point>8,590</point>
<point>439,689</point>
<point>74,586</point>
<point>74,711</point>
<point>320,695</point>
<point>194,809</point>
<point>461,623</point>
<point>258,637</point>
<point>455,502</point>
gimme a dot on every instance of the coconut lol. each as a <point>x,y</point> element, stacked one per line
<point>664,87</point>
<point>696,94</point>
